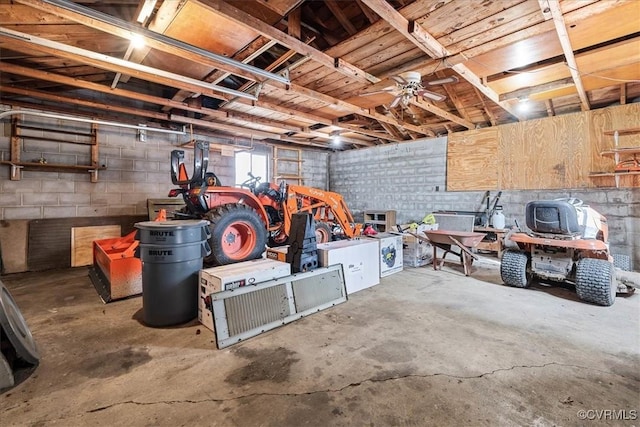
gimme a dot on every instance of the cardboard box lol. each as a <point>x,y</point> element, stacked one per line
<point>278,254</point>
<point>416,252</point>
<point>389,252</point>
<point>232,276</point>
<point>359,259</point>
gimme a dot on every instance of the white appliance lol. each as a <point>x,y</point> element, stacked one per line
<point>359,259</point>
<point>233,276</point>
<point>389,252</point>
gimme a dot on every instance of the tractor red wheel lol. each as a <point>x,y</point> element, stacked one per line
<point>237,234</point>
<point>323,232</point>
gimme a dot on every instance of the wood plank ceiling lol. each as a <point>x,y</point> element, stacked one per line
<point>302,72</point>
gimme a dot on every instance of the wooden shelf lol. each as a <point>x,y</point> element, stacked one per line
<point>382,220</point>
<point>286,159</point>
<point>620,155</point>
<point>16,167</point>
<point>629,131</point>
<point>15,150</point>
<point>48,167</point>
<point>596,174</point>
<point>621,150</point>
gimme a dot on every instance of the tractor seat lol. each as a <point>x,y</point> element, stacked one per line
<point>552,217</point>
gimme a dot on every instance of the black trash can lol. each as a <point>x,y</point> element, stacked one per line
<point>171,253</point>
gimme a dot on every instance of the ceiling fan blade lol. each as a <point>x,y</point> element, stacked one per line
<point>442,81</point>
<point>390,90</point>
<point>427,94</point>
<point>399,79</point>
<point>395,102</point>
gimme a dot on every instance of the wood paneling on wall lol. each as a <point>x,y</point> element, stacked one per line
<point>474,152</point>
<point>551,153</point>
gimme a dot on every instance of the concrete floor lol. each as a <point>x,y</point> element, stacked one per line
<point>422,348</point>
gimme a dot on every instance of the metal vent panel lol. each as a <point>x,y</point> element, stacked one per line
<point>255,309</point>
<point>315,291</point>
<point>242,313</point>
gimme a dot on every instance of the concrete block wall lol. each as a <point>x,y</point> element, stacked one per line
<point>135,172</point>
<point>314,169</point>
<point>411,179</point>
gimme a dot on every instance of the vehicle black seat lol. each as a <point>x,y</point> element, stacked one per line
<point>552,216</point>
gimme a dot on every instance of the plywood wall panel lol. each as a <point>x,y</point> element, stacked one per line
<point>473,152</point>
<point>553,153</point>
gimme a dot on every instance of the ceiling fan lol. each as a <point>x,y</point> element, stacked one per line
<point>409,85</point>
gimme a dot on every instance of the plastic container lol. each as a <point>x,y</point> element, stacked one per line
<point>498,219</point>
<point>172,232</point>
<point>170,271</point>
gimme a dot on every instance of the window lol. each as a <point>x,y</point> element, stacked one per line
<point>249,162</point>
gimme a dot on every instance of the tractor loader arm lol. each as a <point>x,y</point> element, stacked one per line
<point>327,206</point>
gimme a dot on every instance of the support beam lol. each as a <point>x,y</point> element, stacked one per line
<point>83,84</point>
<point>485,107</point>
<point>222,8</point>
<point>109,24</point>
<point>549,106</point>
<point>118,65</point>
<point>553,6</point>
<point>420,37</point>
<point>90,104</point>
<point>336,10</point>
<point>526,92</point>
<point>623,93</point>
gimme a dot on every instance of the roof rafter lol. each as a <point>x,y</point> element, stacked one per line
<point>553,7</point>
<point>420,37</point>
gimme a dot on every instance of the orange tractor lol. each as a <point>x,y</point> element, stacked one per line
<point>243,220</point>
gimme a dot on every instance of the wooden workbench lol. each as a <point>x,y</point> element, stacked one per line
<point>494,240</point>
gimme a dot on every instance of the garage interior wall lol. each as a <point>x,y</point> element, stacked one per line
<point>411,178</point>
<point>135,171</point>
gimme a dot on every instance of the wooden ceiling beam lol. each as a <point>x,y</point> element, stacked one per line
<point>106,62</point>
<point>453,96</point>
<point>553,7</point>
<point>420,37</point>
<point>250,52</point>
<point>526,92</point>
<point>485,108</point>
<point>336,10</point>
<point>76,101</point>
<point>549,106</point>
<point>392,130</point>
<point>371,16</point>
<point>228,11</point>
<point>428,106</point>
<point>371,133</point>
<point>83,84</point>
<point>153,40</point>
<point>623,93</point>
<point>294,19</point>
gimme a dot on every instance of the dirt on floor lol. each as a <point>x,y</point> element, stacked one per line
<point>422,348</point>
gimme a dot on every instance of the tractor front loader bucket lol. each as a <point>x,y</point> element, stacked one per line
<point>116,273</point>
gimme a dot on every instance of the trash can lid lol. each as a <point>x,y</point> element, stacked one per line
<point>172,224</point>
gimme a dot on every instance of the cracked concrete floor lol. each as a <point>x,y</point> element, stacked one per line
<point>422,348</point>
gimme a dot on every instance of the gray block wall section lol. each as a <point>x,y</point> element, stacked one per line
<point>135,172</point>
<point>315,167</point>
<point>411,179</point>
